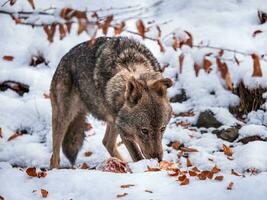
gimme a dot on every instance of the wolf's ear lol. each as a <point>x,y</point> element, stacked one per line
<point>160,86</point>
<point>133,92</point>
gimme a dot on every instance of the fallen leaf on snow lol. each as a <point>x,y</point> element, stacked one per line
<point>122,195</point>
<point>188,163</point>
<point>233,172</point>
<point>187,149</point>
<point>227,150</point>
<point>127,185</point>
<point>165,165</point>
<point>84,166</point>
<point>218,178</point>
<point>31,171</point>
<point>8,58</point>
<point>185,182</point>
<point>41,174</point>
<point>215,170</point>
<point>152,169</point>
<point>88,153</point>
<point>230,186</point>
<point>44,193</point>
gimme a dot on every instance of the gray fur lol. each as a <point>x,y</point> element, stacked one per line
<point>117,80</point>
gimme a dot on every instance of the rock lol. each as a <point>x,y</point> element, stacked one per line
<point>248,139</point>
<point>179,97</point>
<point>206,119</point>
<point>229,134</point>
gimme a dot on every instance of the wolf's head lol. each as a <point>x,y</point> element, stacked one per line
<point>145,115</point>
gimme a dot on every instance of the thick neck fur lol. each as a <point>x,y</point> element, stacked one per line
<point>115,89</point>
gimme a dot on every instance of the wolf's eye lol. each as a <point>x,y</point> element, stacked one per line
<point>162,129</point>
<point>144,131</point>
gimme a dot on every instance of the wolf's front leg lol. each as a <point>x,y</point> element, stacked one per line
<point>109,141</point>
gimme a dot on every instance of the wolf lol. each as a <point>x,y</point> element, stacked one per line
<point>116,80</point>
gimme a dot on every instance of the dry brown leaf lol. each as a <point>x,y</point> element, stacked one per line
<point>185,181</point>
<point>106,24</point>
<point>88,126</point>
<point>189,41</point>
<point>256,32</point>
<point>176,145</point>
<point>166,165</point>
<point>12,2</point>
<point>82,26</point>
<point>227,150</point>
<point>50,31</point>
<point>188,163</point>
<point>41,174</point>
<point>196,68</point>
<point>92,40</point>
<point>2,198</point>
<point>230,186</point>
<point>208,174</point>
<point>62,31</point>
<point>127,185</point>
<point>225,73</point>
<point>1,133</point>
<point>67,13</point>
<point>88,153</point>
<point>192,173</point>
<point>84,166</point>
<point>159,31</point>
<point>8,58</point>
<point>183,124</point>
<point>207,65</point>
<point>31,2</point>
<point>218,178</point>
<point>149,191</point>
<point>236,60</point>
<point>15,135</point>
<point>68,25</point>
<point>182,178</point>
<point>141,28</point>
<point>161,47</point>
<point>188,149</point>
<point>122,195</point>
<point>119,28</point>
<point>187,114</point>
<point>262,17</point>
<point>233,172</point>
<point>215,170</point>
<point>256,66</point>
<point>44,193</point>
<point>152,169</point>
<point>80,15</point>
<point>220,53</point>
<point>195,169</point>
<point>181,62</point>
<point>176,172</point>
<point>31,171</point>
<point>17,20</point>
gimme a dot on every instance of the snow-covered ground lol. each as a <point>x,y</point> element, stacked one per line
<point>225,24</point>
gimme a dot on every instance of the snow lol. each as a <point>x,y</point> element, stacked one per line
<point>253,129</point>
<point>229,24</point>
